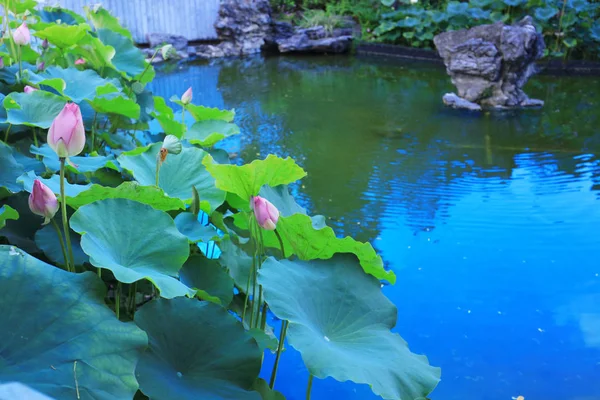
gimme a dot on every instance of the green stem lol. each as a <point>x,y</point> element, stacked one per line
<point>309,387</point>
<point>183,117</point>
<point>562,13</point>
<point>6,133</point>
<point>247,294</point>
<point>63,203</point>
<point>280,243</point>
<point>61,241</point>
<point>35,139</point>
<point>118,300</point>
<point>284,326</point>
<point>20,64</point>
<point>93,144</point>
<point>149,64</point>
<point>263,321</point>
<point>260,305</point>
<point>132,293</point>
<point>99,272</point>
<point>157,170</point>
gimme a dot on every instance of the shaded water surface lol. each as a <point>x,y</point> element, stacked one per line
<point>490,221</point>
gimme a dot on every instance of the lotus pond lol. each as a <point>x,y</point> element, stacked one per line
<point>490,222</point>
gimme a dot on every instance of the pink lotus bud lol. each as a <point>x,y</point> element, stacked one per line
<point>79,61</point>
<point>1,62</point>
<point>66,135</point>
<point>187,96</point>
<point>21,35</point>
<point>29,89</point>
<point>41,66</point>
<point>45,44</point>
<point>42,201</point>
<point>266,213</point>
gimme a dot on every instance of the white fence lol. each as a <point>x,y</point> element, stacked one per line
<point>193,19</point>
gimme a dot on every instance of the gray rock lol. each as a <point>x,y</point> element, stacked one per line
<point>452,100</point>
<point>301,42</point>
<point>490,64</point>
<point>159,39</point>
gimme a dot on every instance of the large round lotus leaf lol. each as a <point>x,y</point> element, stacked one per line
<point>38,108</point>
<point>76,84</point>
<point>210,280</point>
<point>55,326</point>
<point>247,180</point>
<point>177,175</point>
<point>47,240</point>
<point>188,224</point>
<point>197,351</point>
<point>340,321</point>
<point>10,169</point>
<point>135,242</point>
<point>53,183</point>
<point>210,132</point>
<point>83,163</point>
<point>128,58</point>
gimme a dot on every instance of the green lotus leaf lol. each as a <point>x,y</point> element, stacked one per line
<point>201,113</point>
<point>37,108</point>
<point>10,169</point>
<point>545,13</point>
<point>16,390</point>
<point>177,175</point>
<point>128,58</point>
<point>71,334</point>
<point>19,7</point>
<point>197,351</point>
<point>96,54</point>
<point>21,232</point>
<point>135,242</point>
<point>309,239</point>
<point>210,132</point>
<point>6,213</point>
<point>47,240</point>
<point>237,262</point>
<point>166,118</point>
<point>150,195</point>
<point>63,36</point>
<point>188,224</point>
<point>281,198</point>
<point>71,190</point>
<point>84,164</point>
<point>59,15</point>
<point>247,180</point>
<point>262,387</point>
<point>208,278</point>
<point>344,330</point>
<point>116,103</point>
<point>102,19</point>
<point>76,84</point>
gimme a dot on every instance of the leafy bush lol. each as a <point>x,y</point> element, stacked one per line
<point>570,27</point>
<point>313,18</point>
<point>160,260</point>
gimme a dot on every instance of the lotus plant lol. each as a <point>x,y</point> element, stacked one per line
<point>66,137</point>
<point>21,37</point>
<point>186,99</point>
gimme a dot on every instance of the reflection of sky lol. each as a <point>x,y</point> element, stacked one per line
<point>490,222</point>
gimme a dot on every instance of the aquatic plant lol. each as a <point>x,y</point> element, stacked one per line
<point>125,292</point>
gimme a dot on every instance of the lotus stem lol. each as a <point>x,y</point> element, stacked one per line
<point>157,170</point>
<point>309,386</point>
<point>247,293</point>
<point>562,13</point>
<point>35,141</point>
<point>20,64</point>
<point>62,243</point>
<point>75,377</point>
<point>280,243</point>
<point>284,326</point>
<point>99,271</point>
<point>263,322</point>
<point>118,300</point>
<point>63,204</point>
<point>183,116</point>
<point>6,133</point>
<point>93,138</point>
<point>259,306</point>
<point>149,64</point>
<point>132,293</point>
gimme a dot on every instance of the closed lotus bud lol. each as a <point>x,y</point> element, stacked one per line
<point>187,96</point>
<point>66,135</point>
<point>172,144</point>
<point>42,201</point>
<point>266,213</point>
<point>1,62</point>
<point>29,89</point>
<point>167,51</point>
<point>21,35</point>
<point>41,66</point>
<point>79,61</point>
<point>45,44</point>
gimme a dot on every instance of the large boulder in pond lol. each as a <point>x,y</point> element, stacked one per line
<point>490,64</point>
<point>314,40</point>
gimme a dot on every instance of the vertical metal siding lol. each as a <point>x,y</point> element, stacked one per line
<point>193,19</point>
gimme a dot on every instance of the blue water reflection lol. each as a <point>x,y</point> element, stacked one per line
<point>491,222</point>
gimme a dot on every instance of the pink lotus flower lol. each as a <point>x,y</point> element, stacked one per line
<point>45,44</point>
<point>266,213</point>
<point>187,96</point>
<point>21,35</point>
<point>79,61</point>
<point>66,135</point>
<point>42,201</point>
<point>29,89</point>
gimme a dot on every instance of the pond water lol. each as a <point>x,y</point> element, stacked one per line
<point>491,221</point>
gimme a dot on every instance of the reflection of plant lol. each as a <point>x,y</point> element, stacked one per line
<point>571,25</point>
<point>165,223</point>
